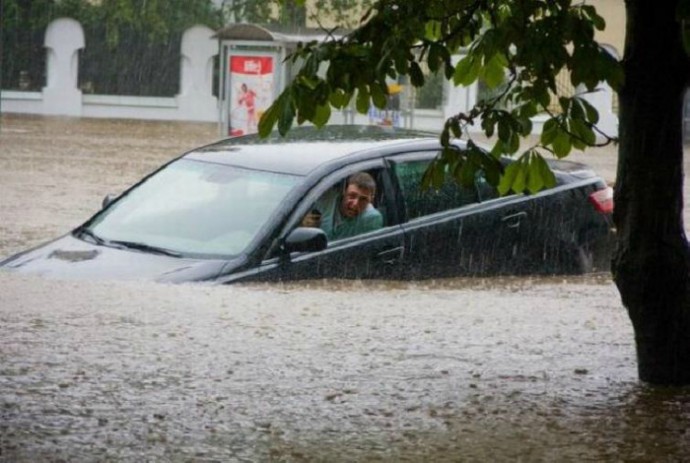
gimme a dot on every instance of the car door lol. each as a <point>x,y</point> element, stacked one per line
<point>451,231</point>
<point>433,220</point>
<point>375,254</point>
<point>500,226</point>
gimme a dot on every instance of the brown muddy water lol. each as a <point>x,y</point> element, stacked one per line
<point>509,369</point>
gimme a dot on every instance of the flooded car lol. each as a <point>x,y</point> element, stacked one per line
<point>278,209</point>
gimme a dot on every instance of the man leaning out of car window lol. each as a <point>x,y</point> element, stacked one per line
<point>349,214</point>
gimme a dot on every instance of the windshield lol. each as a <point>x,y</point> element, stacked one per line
<point>195,208</point>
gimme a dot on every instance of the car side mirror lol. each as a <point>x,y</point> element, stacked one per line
<point>305,239</point>
<point>109,198</point>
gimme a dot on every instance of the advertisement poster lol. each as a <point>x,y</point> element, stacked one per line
<point>251,80</point>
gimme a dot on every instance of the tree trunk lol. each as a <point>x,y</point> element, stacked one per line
<point>651,265</point>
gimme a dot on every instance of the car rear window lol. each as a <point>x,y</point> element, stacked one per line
<point>419,202</point>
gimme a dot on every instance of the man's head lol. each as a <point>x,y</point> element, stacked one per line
<point>359,193</point>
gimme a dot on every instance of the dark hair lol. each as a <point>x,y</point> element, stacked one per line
<point>362,180</point>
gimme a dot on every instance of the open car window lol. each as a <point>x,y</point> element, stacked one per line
<point>327,212</point>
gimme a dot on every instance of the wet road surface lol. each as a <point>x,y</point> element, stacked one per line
<point>509,369</point>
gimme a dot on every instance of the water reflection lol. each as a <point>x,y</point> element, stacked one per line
<point>531,369</point>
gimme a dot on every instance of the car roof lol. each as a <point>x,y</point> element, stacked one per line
<point>306,148</point>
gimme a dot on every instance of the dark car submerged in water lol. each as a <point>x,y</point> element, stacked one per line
<point>232,211</point>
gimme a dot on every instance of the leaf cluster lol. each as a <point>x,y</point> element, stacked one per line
<point>519,47</point>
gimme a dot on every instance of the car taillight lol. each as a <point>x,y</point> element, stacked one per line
<point>602,200</point>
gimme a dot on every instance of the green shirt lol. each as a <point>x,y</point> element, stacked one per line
<point>337,227</point>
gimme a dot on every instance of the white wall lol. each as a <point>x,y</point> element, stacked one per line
<point>195,102</point>
<point>64,38</point>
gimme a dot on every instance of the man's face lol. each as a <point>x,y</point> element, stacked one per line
<point>355,200</point>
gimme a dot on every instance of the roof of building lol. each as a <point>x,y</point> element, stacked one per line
<point>275,33</point>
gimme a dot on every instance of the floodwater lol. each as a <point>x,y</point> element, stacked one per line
<point>509,369</point>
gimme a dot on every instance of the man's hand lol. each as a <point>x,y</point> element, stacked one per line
<point>312,219</point>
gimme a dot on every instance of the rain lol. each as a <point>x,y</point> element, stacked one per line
<point>519,368</point>
<point>468,368</point>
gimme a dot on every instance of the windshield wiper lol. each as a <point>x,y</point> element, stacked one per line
<point>145,247</point>
<point>81,232</point>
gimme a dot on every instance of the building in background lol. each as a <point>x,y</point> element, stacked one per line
<point>233,83</point>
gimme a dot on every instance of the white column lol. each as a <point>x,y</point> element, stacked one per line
<point>460,99</point>
<point>64,37</point>
<point>196,100</point>
<point>602,99</point>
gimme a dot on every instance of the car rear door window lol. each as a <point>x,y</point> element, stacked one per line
<point>419,202</point>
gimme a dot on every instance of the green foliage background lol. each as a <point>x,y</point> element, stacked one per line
<point>514,50</point>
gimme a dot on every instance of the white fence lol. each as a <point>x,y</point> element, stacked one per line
<point>61,96</point>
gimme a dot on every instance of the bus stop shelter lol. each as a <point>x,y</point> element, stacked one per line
<point>253,71</point>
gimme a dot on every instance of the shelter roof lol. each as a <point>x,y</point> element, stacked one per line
<point>274,33</point>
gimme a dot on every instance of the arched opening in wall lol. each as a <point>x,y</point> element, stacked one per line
<point>216,76</point>
<point>23,58</point>
<point>430,95</point>
<point>134,63</point>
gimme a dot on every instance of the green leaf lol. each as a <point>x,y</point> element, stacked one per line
<point>493,73</point>
<point>519,182</point>
<point>466,71</point>
<point>564,102</point>
<point>362,102</point>
<point>432,30</point>
<point>561,144</point>
<point>339,99</point>
<point>287,115</point>
<point>506,183</point>
<point>378,96</point>
<point>539,175</point>
<point>577,110</point>
<point>467,173</point>
<point>527,110</point>
<point>513,142</point>
<point>434,60</point>
<point>434,175</point>
<point>542,96</point>
<point>416,74</point>
<point>455,128</point>
<point>584,132</point>
<point>492,170</point>
<point>504,130</point>
<point>546,173</point>
<point>591,112</point>
<point>535,181</point>
<point>438,175</point>
<point>549,131</point>
<point>322,115</point>
<point>445,134</point>
<point>525,126</point>
<point>270,117</point>
<point>594,17</point>
<point>488,124</point>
